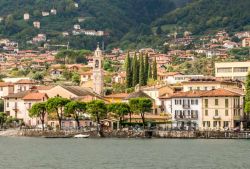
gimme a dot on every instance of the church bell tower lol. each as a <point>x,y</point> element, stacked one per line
<point>98,71</point>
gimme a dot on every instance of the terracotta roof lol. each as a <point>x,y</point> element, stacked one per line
<point>35,96</point>
<point>18,95</point>
<point>42,87</point>
<point>211,93</point>
<point>25,81</point>
<point>5,84</point>
<point>117,95</point>
<point>220,93</point>
<point>185,94</point>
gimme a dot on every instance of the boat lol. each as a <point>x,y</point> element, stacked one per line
<point>81,136</point>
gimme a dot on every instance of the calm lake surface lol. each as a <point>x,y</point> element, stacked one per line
<point>39,153</point>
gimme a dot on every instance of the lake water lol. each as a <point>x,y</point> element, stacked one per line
<point>39,153</point>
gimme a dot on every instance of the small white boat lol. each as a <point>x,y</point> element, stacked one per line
<point>81,136</point>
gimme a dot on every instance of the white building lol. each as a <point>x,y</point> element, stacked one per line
<point>36,24</point>
<point>179,78</point>
<point>6,88</point>
<point>77,27</point>
<point>44,13</point>
<point>53,11</point>
<point>26,16</point>
<point>18,104</point>
<point>232,70</point>
<point>185,109</point>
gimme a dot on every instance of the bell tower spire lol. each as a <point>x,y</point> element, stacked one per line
<point>98,71</point>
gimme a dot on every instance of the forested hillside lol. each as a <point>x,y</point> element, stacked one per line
<point>208,15</point>
<point>113,16</point>
<point>129,23</point>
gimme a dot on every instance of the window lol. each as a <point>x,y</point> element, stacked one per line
<point>225,124</point>
<point>208,124</point>
<point>205,88</point>
<point>216,113</point>
<point>206,112</point>
<point>196,102</point>
<point>198,88</point>
<point>216,102</point>
<point>226,112</point>
<point>190,88</point>
<point>226,102</point>
<point>1,88</point>
<point>206,103</point>
<point>204,124</point>
<point>241,69</point>
<point>215,123</point>
<point>224,70</point>
<point>7,104</point>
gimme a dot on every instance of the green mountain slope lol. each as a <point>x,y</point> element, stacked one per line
<point>205,15</point>
<point>114,16</point>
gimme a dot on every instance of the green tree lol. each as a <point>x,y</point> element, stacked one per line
<point>141,106</point>
<point>76,78</point>
<point>38,77</point>
<point>119,110</point>
<point>146,70</point>
<point>247,96</point>
<point>128,67</point>
<point>98,110</point>
<point>142,70</point>
<point>75,109</point>
<point>38,110</point>
<point>57,104</point>
<point>150,72</point>
<point>135,71</point>
<point>155,69</point>
<point>3,118</point>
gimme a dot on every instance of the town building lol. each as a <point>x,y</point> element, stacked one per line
<point>218,109</point>
<point>17,105</point>
<point>246,42</point>
<point>232,70</point>
<point>36,24</point>
<point>6,88</point>
<point>209,83</point>
<point>26,16</point>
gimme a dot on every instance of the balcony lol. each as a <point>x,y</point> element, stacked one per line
<point>15,108</point>
<point>216,117</point>
<point>186,106</point>
<point>181,117</point>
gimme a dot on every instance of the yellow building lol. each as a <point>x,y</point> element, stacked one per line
<point>221,110</point>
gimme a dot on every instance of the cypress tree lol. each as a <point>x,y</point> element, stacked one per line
<point>128,71</point>
<point>146,70</point>
<point>154,69</point>
<point>150,72</point>
<point>135,70</point>
<point>141,78</point>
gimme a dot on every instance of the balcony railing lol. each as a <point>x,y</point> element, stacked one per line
<point>186,106</point>
<point>181,117</point>
<point>15,108</point>
<point>216,117</point>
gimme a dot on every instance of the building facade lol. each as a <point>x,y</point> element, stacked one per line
<point>232,70</point>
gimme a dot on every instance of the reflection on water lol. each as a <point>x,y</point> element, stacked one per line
<point>37,153</point>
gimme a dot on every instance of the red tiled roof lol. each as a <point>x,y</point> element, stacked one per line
<point>25,81</point>
<point>5,84</point>
<point>211,93</point>
<point>34,96</point>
